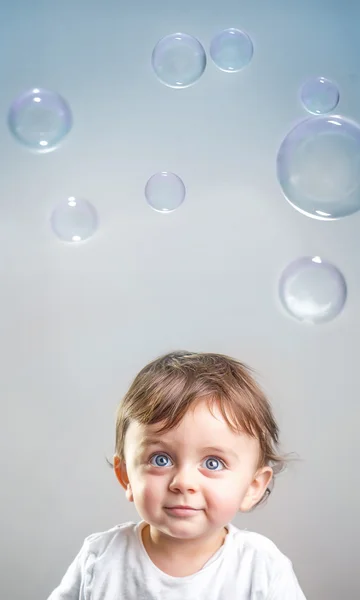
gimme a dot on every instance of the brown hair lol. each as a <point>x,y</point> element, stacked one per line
<point>165,389</point>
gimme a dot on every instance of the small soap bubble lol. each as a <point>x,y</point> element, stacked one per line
<point>319,95</point>
<point>74,220</point>
<point>39,119</point>
<point>318,167</point>
<point>165,192</point>
<point>231,50</point>
<point>312,290</point>
<point>178,60</point>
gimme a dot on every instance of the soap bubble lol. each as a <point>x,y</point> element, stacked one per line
<point>319,95</point>
<point>318,167</point>
<point>74,220</point>
<point>178,60</point>
<point>165,191</point>
<point>231,50</point>
<point>312,290</point>
<point>40,119</point>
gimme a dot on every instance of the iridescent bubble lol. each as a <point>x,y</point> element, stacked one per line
<point>231,50</point>
<point>318,167</point>
<point>74,220</point>
<point>312,290</point>
<point>40,119</point>
<point>165,192</point>
<point>178,60</point>
<point>319,95</point>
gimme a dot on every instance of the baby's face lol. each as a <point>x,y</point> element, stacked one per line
<point>201,464</point>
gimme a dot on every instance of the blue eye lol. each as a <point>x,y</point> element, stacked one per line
<point>213,463</point>
<point>159,462</point>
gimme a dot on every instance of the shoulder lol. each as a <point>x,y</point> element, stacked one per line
<point>259,562</point>
<point>258,546</point>
<point>98,543</point>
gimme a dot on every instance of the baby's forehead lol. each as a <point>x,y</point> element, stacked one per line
<point>212,435</point>
<point>204,414</point>
<point>199,419</point>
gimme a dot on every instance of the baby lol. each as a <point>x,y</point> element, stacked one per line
<point>196,442</point>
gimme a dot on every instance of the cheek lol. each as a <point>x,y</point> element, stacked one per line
<point>227,497</point>
<point>150,494</point>
<point>149,489</point>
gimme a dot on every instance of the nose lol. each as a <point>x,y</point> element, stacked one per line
<point>184,480</point>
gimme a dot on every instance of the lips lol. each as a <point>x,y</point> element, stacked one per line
<point>182,507</point>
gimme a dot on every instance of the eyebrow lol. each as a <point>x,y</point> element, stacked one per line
<point>213,449</point>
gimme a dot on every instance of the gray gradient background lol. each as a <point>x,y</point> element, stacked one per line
<point>77,322</point>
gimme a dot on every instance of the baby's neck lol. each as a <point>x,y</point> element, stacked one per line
<point>180,558</point>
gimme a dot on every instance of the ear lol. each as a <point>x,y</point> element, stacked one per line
<point>122,476</point>
<point>257,488</point>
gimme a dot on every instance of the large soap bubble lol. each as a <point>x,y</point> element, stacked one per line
<point>165,191</point>
<point>74,220</point>
<point>312,290</point>
<point>39,119</point>
<point>319,95</point>
<point>178,60</point>
<point>231,50</point>
<point>318,167</point>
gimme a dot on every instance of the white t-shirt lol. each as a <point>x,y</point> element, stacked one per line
<point>114,565</point>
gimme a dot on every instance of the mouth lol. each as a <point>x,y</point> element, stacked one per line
<point>181,511</point>
<point>182,506</point>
